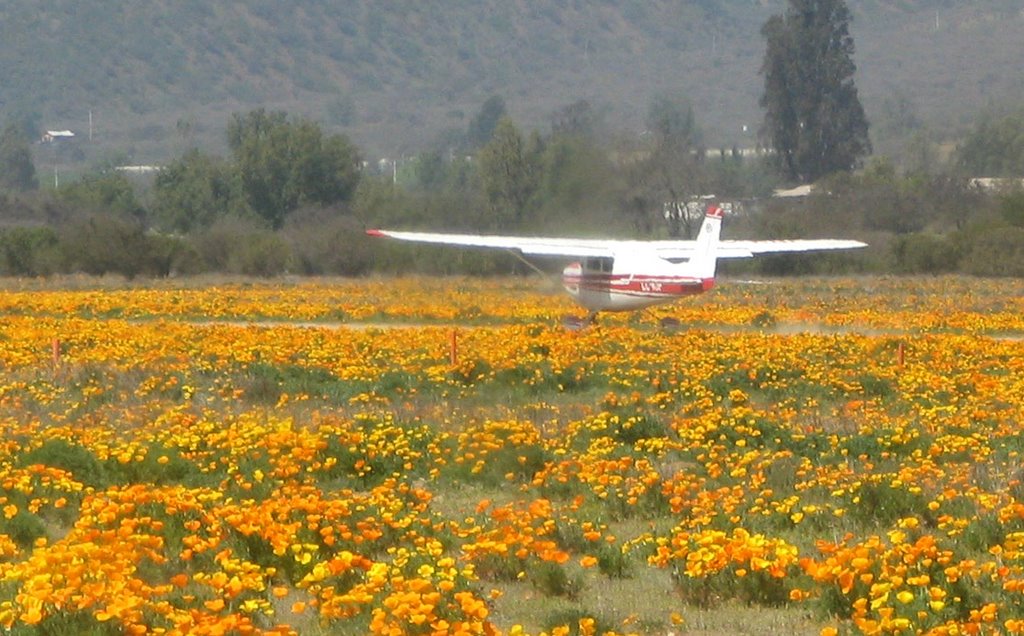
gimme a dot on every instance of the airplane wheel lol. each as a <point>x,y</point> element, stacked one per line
<point>574,323</point>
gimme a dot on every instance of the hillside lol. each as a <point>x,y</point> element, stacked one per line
<point>393,74</point>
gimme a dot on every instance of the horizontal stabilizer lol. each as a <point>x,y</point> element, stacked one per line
<point>746,249</point>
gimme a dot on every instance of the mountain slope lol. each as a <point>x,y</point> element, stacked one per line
<point>394,73</point>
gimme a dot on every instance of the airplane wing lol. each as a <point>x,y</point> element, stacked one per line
<point>748,249</point>
<point>668,249</point>
<point>536,246</point>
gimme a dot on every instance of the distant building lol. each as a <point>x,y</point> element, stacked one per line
<point>51,136</point>
<point>799,191</point>
<point>734,152</point>
<point>142,169</point>
<point>995,184</point>
<point>697,207</point>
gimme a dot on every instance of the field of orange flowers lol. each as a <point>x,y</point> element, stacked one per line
<point>441,456</point>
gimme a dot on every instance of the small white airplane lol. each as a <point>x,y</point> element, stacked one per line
<point>623,275</point>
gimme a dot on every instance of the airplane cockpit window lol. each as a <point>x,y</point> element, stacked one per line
<point>601,264</point>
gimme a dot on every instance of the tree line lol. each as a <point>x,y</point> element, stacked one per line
<point>289,197</point>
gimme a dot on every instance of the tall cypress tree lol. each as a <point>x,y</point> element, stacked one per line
<point>813,117</point>
<point>17,171</point>
<point>509,170</point>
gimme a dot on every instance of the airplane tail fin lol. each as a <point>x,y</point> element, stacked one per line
<point>705,255</point>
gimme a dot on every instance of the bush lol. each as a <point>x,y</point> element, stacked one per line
<point>613,562</point>
<point>29,251</point>
<point>321,244</point>
<point>23,528</point>
<point>1011,207</point>
<point>262,254</point>
<point>62,454</point>
<point>171,255</point>
<point>994,251</point>
<point>573,618</point>
<point>765,320</point>
<point>926,254</point>
<point>105,244</point>
<point>105,193</point>
<point>160,465</point>
<point>552,580</point>
<point>240,246</point>
<point>214,244</point>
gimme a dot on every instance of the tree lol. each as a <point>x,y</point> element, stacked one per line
<point>577,119</point>
<point>576,177</point>
<point>284,164</point>
<point>814,120</point>
<point>483,125</point>
<point>995,148</point>
<point>675,175</point>
<point>187,127</point>
<point>17,170</point>
<point>431,171</point>
<point>194,191</point>
<point>109,193</point>
<point>259,142</point>
<point>671,121</point>
<point>509,171</point>
<point>326,168</point>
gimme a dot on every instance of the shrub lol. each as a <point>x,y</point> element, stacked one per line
<point>573,618</point>
<point>552,580</point>
<point>239,246</point>
<point>321,244</point>
<point>62,454</point>
<point>171,255</point>
<point>259,254</point>
<point>994,251</point>
<point>925,254</point>
<point>29,251</point>
<point>105,244</point>
<point>23,528</point>
<point>613,562</point>
<point>265,383</point>
<point>161,465</point>
<point>80,623</point>
<point>765,320</point>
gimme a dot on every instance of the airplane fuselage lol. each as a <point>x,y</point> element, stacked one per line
<point>617,290</point>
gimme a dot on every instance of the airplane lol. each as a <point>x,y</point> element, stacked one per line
<point>625,275</point>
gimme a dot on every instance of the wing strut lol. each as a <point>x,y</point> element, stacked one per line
<point>519,255</point>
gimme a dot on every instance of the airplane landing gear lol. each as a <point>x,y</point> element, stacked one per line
<point>669,324</point>
<point>575,323</point>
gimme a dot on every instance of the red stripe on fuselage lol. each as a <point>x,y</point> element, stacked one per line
<point>641,285</point>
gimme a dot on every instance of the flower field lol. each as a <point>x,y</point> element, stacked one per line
<point>440,456</point>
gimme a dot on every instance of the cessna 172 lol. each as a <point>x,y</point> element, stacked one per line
<point>623,275</point>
